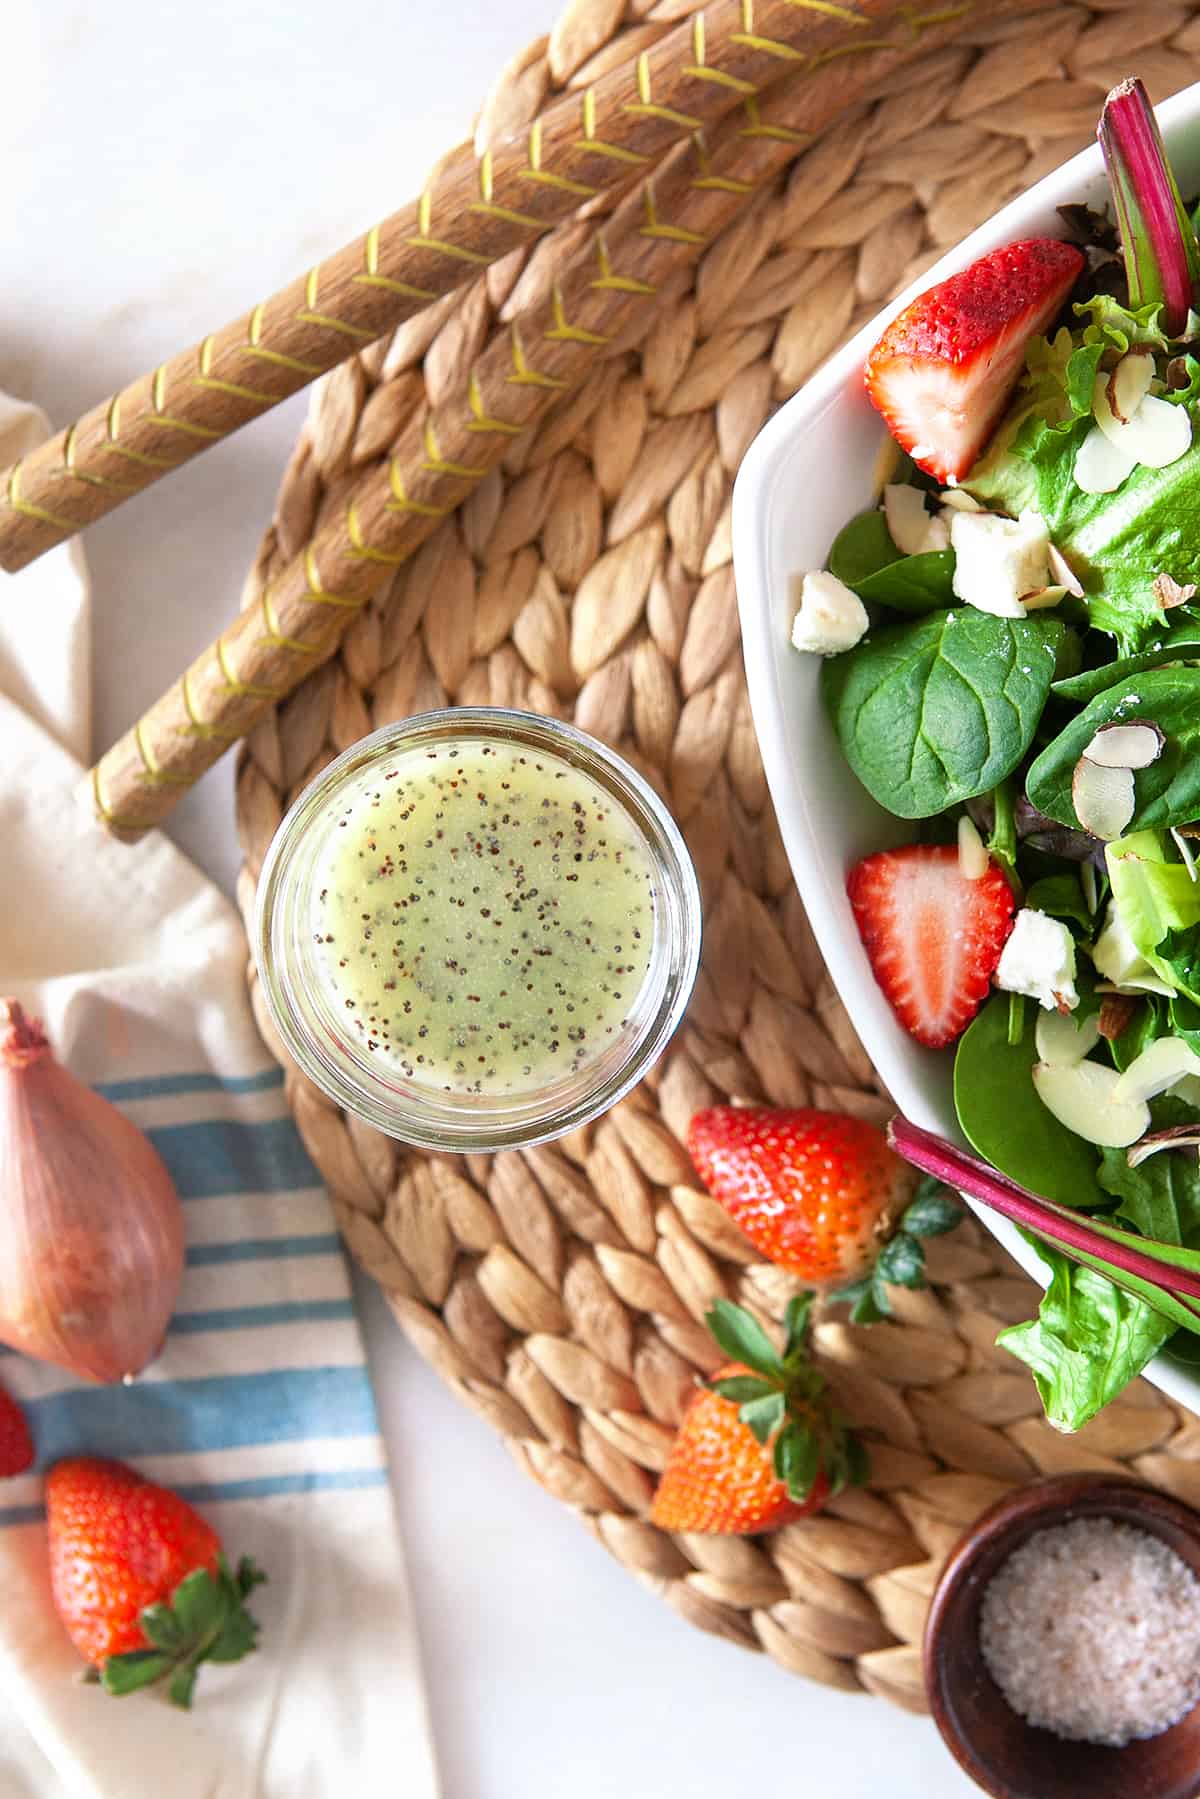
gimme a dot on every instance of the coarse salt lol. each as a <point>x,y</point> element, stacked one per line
<point>1091,1630</point>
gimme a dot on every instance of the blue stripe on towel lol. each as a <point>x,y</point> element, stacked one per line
<point>222,1156</point>
<point>165,1085</point>
<point>234,1411</point>
<point>266,1486</point>
<point>237,1318</point>
<point>262,1249</point>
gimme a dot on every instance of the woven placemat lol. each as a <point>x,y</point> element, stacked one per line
<point>559,1292</point>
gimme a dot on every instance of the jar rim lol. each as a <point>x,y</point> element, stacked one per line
<point>457,1122</point>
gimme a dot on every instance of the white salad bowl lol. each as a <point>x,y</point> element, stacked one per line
<point>811,468</point>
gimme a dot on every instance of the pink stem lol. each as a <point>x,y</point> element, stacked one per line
<point>24,1042</point>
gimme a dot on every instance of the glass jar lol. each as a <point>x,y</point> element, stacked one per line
<point>316,1019</point>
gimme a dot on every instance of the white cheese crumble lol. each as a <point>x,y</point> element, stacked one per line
<point>1039,961</point>
<point>831,617</point>
<point>999,559</point>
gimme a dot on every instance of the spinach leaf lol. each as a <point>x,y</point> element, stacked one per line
<point>1003,1118</point>
<point>865,558</point>
<point>1145,1025</point>
<point>1161,1197</point>
<point>1184,1016</point>
<point>941,709</point>
<point>862,548</point>
<point>1178,645</point>
<point>1168,792</point>
<point>1180,951</point>
<point>913,584</point>
<point>1089,1340</point>
<point>1061,896</point>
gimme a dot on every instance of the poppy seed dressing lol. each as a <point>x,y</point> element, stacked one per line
<point>484,918</point>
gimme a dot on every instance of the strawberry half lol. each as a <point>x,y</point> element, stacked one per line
<point>16,1444</point>
<point>943,371</point>
<point>932,936</point>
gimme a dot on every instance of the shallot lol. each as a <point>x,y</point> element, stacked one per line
<point>91,1228</point>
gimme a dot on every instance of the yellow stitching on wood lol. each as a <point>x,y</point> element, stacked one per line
<point>699,70</point>
<point>591,145</point>
<point>211,384</point>
<point>402,503</point>
<point>373,278</point>
<point>826,6</point>
<point>563,332</point>
<point>523,374</point>
<point>361,550</point>
<point>767,46</point>
<point>644,106</point>
<point>508,215</point>
<point>329,323</point>
<point>445,249</point>
<point>80,474</point>
<point>156,776</point>
<point>142,457</point>
<point>483,420</point>
<point>653,227</point>
<point>607,282</point>
<point>535,171</point>
<point>425,212</point>
<point>198,727</point>
<point>243,688</point>
<point>114,823</point>
<point>315,590</point>
<point>161,417</point>
<point>435,463</point>
<point>782,133</point>
<point>861,47</point>
<point>253,348</point>
<point>28,510</point>
<point>918,21</point>
<point>275,634</point>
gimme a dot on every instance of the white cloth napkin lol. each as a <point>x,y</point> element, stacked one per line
<point>260,1408</point>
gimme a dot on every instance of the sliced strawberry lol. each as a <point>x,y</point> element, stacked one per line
<point>16,1444</point>
<point>932,936</point>
<point>943,371</point>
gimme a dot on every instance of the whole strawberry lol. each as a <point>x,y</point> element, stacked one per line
<point>822,1196</point>
<point>16,1444</point>
<point>140,1581</point>
<point>761,1445</point>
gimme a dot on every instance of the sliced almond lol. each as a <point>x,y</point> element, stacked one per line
<point>1100,467</point>
<point>1040,597</point>
<point>959,501</point>
<point>1062,571</point>
<point>1169,592</point>
<point>1103,798</point>
<point>1082,1098</point>
<point>1156,435</point>
<point>973,858</point>
<point>1129,384</point>
<point>907,519</point>
<point>1062,1041</point>
<point>1159,1066</point>
<point>1115,1016</point>
<point>1126,746</point>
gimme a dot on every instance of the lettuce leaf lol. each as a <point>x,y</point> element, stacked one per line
<point>1089,1340</point>
<point>1159,904</point>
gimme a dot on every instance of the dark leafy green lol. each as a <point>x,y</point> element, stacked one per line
<point>901,1261</point>
<point>1161,1197</point>
<point>862,548</point>
<point>1061,896</point>
<point>205,1620</point>
<point>1089,1340</point>
<point>942,709</point>
<point>1145,1025</point>
<point>1168,792</point>
<point>1003,1118</point>
<point>1177,645</point>
<point>866,559</point>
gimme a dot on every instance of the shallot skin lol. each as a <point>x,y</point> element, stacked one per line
<point>91,1228</point>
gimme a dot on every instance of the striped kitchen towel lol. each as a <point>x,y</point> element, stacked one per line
<point>259,1409</point>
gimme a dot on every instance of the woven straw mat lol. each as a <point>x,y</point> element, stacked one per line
<point>560,1291</point>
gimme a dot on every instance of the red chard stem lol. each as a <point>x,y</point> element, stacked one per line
<point>1162,257</point>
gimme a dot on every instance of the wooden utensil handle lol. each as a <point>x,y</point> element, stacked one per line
<point>296,621</point>
<point>475,210</point>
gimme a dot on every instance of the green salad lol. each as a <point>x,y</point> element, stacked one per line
<point>1011,644</point>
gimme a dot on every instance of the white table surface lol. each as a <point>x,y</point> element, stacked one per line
<point>165,166</point>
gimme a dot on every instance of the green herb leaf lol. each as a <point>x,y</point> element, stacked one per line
<point>764,1416</point>
<point>942,709</point>
<point>742,1389</point>
<point>797,1460</point>
<point>182,1683</point>
<point>162,1628</point>
<point>901,1262</point>
<point>795,1323</point>
<point>1003,1118</point>
<point>932,1214</point>
<point>1087,1343</point>
<point>205,1621</point>
<point>873,1305</point>
<point>742,1338</point>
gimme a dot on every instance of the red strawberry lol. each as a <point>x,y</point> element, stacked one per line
<point>943,371</point>
<point>16,1444</point>
<point>761,1445</point>
<point>933,937</point>
<point>815,1192</point>
<point>139,1579</point>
